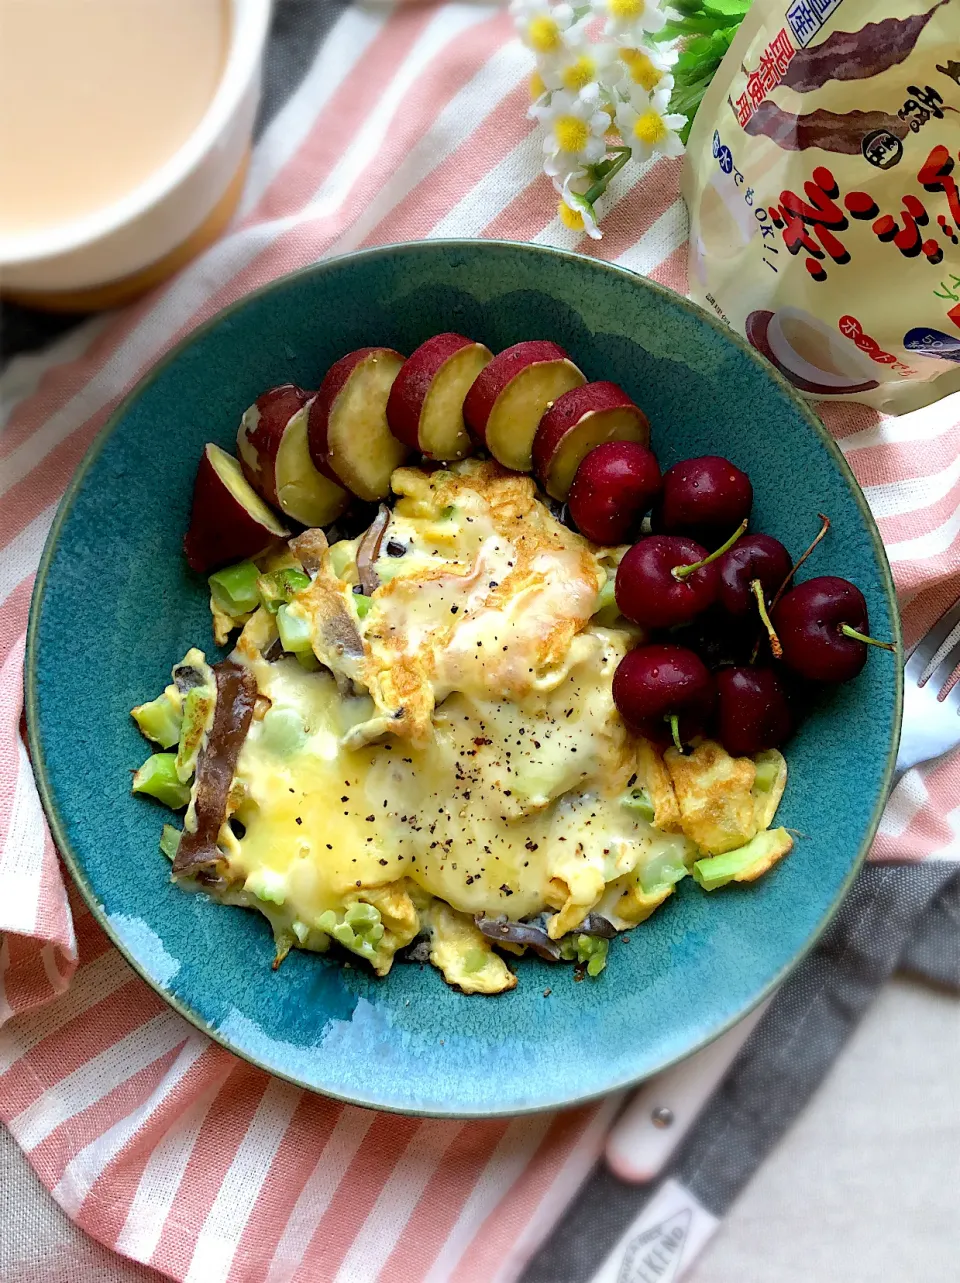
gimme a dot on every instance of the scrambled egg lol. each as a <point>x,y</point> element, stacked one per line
<point>456,755</point>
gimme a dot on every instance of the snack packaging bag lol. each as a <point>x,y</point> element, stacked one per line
<point>821,178</point>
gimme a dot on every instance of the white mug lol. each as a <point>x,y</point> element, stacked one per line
<point>110,256</point>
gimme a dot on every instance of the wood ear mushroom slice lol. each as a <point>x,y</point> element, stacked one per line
<point>236,696</point>
<point>368,550</point>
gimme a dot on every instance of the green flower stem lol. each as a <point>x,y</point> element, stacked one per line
<point>612,167</point>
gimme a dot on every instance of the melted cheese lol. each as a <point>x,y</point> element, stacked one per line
<point>508,809</point>
<point>461,747</point>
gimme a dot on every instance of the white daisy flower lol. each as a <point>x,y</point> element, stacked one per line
<point>647,128</point>
<point>574,210</point>
<point>543,27</point>
<point>648,68</point>
<point>538,90</point>
<point>575,125</point>
<point>579,66</point>
<point>628,20</point>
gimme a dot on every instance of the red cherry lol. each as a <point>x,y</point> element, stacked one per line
<point>615,485</point>
<point>705,498</point>
<point>752,710</point>
<point>752,557</point>
<point>663,691</point>
<point>822,625</point>
<point>650,592</point>
<point>719,640</point>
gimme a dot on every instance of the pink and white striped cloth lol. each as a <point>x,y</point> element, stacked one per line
<point>410,124</point>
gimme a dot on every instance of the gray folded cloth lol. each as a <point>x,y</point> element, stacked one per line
<point>895,916</point>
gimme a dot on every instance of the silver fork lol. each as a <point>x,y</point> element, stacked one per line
<point>931,701</point>
<point>664,1109</point>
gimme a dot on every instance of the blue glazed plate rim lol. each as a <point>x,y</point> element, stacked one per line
<point>31,659</point>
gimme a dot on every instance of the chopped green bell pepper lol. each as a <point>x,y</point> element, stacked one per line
<point>295,631</point>
<point>665,871</point>
<point>169,841</point>
<point>606,612</point>
<point>282,731</point>
<point>198,706</point>
<point>267,884</point>
<point>745,863</point>
<point>158,778</point>
<point>234,588</point>
<point>280,587</point>
<point>475,960</point>
<point>766,777</point>
<point>638,801</point>
<point>159,720</point>
<point>360,931</point>
<point>583,948</point>
<point>593,951</point>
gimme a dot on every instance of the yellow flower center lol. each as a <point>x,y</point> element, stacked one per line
<point>572,133</point>
<point>544,34</point>
<point>650,128</point>
<point>627,10</point>
<point>537,87</point>
<point>642,70</point>
<point>571,218</point>
<point>578,74</point>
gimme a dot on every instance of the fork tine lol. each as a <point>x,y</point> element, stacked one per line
<point>931,648</point>
<point>941,668</point>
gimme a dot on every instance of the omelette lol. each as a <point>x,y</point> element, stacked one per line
<point>413,749</point>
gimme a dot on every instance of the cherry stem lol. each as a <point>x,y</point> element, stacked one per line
<point>674,721</point>
<point>797,564</point>
<point>862,637</point>
<point>756,587</point>
<point>681,572</point>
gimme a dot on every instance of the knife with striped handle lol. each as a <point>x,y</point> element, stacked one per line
<point>648,1132</point>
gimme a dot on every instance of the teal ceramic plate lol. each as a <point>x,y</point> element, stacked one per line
<point>115,606</point>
